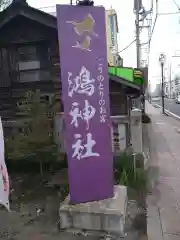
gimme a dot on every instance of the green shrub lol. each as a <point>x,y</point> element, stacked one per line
<point>32,142</point>
<point>65,191</point>
<point>127,174</point>
<point>30,164</point>
<point>146,118</point>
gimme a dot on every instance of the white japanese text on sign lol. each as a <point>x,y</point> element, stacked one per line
<point>102,102</point>
<point>82,84</point>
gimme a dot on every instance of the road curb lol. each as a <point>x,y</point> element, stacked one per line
<point>169,113</point>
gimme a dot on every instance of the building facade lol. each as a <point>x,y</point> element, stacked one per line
<point>175,75</point>
<point>112,37</point>
<point>172,76</point>
<point>29,60</point>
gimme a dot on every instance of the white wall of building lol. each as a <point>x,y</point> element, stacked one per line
<point>112,36</point>
<point>173,64</point>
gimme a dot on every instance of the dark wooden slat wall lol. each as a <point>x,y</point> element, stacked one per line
<point>21,31</point>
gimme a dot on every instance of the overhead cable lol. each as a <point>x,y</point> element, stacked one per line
<point>177,5</point>
<point>129,45</point>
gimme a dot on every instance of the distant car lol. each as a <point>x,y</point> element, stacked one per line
<point>177,99</point>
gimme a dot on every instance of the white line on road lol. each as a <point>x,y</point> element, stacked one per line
<point>169,113</point>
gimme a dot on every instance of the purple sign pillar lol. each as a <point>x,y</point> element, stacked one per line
<point>85,88</point>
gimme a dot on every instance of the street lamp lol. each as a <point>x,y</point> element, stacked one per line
<point>161,61</point>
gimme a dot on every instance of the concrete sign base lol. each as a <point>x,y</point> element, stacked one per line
<point>105,216</point>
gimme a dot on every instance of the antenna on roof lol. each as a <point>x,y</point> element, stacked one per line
<point>85,3</point>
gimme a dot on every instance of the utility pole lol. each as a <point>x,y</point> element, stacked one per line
<point>162,85</point>
<point>137,33</point>
<point>137,7</point>
<point>170,81</point>
<point>161,61</point>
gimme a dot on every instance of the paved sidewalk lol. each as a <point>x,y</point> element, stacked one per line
<point>164,201</point>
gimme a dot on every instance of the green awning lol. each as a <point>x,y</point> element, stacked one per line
<point>128,74</point>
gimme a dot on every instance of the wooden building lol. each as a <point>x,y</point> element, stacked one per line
<point>29,56</point>
<point>29,59</point>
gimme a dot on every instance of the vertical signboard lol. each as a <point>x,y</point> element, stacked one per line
<point>111,21</point>
<point>85,87</point>
<point>4,179</point>
<point>118,137</point>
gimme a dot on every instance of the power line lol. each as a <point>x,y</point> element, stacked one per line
<point>168,13</point>
<point>153,28</point>
<point>159,14</point>
<point>129,45</point>
<point>178,7</point>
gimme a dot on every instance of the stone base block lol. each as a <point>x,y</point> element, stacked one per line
<point>106,216</point>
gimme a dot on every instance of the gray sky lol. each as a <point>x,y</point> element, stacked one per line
<point>165,38</point>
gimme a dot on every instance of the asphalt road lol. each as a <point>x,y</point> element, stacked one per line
<point>169,104</point>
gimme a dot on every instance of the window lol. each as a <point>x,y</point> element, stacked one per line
<point>47,98</point>
<point>27,53</point>
<point>29,65</point>
<point>114,60</point>
<point>176,81</point>
<point>33,63</point>
<point>34,75</point>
